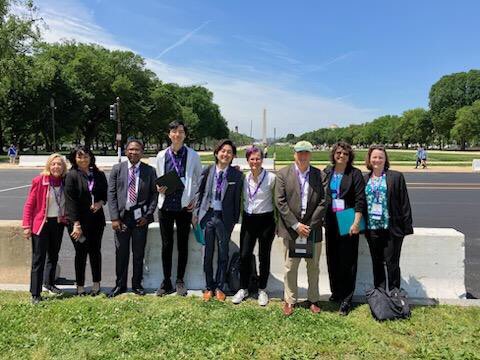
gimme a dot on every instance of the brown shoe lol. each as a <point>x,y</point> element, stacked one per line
<point>220,295</point>
<point>314,308</point>
<point>288,309</point>
<point>207,295</point>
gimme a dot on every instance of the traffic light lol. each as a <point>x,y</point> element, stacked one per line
<point>113,112</point>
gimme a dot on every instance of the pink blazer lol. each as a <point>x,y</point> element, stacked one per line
<point>35,209</point>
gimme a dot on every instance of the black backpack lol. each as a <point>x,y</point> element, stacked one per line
<point>233,275</point>
<point>388,304</point>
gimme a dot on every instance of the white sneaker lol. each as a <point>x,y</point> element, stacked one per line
<point>240,296</point>
<point>262,298</point>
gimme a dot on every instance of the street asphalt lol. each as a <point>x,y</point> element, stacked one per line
<point>439,200</point>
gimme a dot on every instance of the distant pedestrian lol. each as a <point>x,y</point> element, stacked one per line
<point>12,153</point>
<point>421,157</point>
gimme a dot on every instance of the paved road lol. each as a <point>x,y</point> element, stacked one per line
<point>438,200</point>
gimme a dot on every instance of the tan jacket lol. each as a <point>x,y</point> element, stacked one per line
<point>288,202</point>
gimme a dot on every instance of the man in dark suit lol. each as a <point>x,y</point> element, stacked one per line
<point>217,211</point>
<point>300,200</point>
<point>132,199</point>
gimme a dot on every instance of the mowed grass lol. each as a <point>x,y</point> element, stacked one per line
<point>187,328</point>
<point>285,153</point>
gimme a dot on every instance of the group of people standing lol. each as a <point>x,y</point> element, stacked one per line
<point>295,204</point>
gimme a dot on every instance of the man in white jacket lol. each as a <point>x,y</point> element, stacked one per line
<point>177,207</point>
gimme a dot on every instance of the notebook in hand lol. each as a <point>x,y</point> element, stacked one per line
<point>172,181</point>
<point>345,220</point>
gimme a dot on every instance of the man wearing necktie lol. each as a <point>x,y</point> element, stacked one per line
<point>217,211</point>
<point>132,201</point>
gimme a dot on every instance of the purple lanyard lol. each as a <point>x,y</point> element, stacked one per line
<point>58,196</point>
<point>250,195</point>
<point>378,183</point>
<point>220,183</point>
<point>178,166</point>
<point>302,184</point>
<point>337,177</point>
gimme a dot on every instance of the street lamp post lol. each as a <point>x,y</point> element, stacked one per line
<point>52,106</point>
<point>119,131</point>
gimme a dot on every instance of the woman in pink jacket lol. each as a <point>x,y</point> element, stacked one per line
<point>44,221</point>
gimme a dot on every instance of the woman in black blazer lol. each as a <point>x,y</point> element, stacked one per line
<point>388,215</point>
<point>85,195</point>
<point>344,189</point>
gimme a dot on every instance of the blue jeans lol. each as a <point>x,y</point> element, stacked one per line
<point>215,232</point>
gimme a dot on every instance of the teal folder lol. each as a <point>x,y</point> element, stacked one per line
<point>345,220</point>
<point>198,233</point>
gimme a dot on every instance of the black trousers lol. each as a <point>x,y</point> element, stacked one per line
<point>255,227</point>
<point>91,247</point>
<point>183,219</point>
<point>45,246</point>
<point>384,247</point>
<point>342,259</point>
<point>137,236</point>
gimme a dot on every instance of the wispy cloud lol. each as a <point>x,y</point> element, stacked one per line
<point>183,39</point>
<point>241,94</point>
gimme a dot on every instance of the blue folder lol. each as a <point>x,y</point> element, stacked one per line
<point>199,235</point>
<point>345,219</point>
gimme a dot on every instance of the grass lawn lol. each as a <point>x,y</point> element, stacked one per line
<point>285,153</point>
<point>187,328</point>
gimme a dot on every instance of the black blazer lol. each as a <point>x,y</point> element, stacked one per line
<point>352,189</point>
<point>231,201</point>
<point>78,199</point>
<point>117,191</point>
<point>399,210</point>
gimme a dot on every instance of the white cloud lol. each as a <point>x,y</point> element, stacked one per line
<point>241,100</point>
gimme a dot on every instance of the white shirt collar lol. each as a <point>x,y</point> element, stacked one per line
<point>302,173</point>
<point>137,165</point>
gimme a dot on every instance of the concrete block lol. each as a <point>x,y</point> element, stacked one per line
<point>476,165</point>
<point>32,160</point>
<point>15,253</point>
<point>432,264</point>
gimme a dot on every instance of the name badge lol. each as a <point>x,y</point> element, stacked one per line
<point>377,211</point>
<point>301,241</point>
<point>338,205</point>
<point>137,213</point>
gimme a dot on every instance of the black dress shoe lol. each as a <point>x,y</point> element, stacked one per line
<point>53,290</point>
<point>138,291</point>
<point>36,299</point>
<point>116,291</point>
<point>165,289</point>
<point>345,308</point>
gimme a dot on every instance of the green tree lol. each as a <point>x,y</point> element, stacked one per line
<point>449,94</point>
<point>467,124</point>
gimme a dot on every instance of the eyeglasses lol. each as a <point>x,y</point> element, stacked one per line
<point>344,153</point>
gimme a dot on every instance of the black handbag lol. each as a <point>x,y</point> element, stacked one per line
<point>388,304</point>
<point>233,275</point>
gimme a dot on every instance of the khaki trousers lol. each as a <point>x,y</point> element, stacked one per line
<point>291,274</point>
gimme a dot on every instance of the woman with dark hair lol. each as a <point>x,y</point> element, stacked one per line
<point>44,221</point>
<point>85,194</point>
<point>217,211</point>
<point>345,189</point>
<point>388,214</point>
<point>258,222</point>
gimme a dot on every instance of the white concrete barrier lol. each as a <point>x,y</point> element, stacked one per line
<point>432,264</point>
<point>476,165</point>
<point>32,160</point>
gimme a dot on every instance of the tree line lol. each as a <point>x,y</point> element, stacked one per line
<point>453,117</point>
<point>82,81</point>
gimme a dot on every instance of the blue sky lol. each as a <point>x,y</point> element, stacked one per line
<point>311,64</point>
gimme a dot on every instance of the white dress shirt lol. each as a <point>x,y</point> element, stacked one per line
<point>262,201</point>
<point>302,179</point>
<point>128,205</point>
